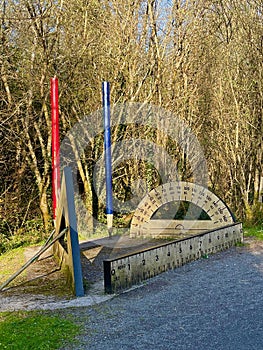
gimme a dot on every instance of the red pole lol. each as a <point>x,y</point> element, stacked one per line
<point>55,142</point>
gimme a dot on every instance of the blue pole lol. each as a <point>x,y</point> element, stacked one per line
<point>107,147</point>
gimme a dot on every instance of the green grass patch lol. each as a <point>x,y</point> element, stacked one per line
<point>10,263</point>
<point>36,330</point>
<point>255,232</point>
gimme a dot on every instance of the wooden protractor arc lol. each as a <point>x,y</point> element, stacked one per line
<point>215,208</point>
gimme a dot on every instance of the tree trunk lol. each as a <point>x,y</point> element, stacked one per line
<point>44,208</point>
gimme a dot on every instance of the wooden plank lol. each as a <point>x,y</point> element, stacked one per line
<point>178,224</point>
<point>171,228</point>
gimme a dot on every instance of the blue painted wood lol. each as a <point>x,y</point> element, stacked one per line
<point>107,145</point>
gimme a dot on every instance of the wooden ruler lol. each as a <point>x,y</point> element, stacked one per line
<point>128,270</point>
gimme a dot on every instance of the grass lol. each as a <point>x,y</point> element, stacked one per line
<point>36,330</point>
<point>10,262</point>
<point>254,231</point>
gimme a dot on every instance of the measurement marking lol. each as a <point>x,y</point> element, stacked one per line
<point>125,271</point>
<point>180,191</point>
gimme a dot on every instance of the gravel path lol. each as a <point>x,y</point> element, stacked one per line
<point>214,303</point>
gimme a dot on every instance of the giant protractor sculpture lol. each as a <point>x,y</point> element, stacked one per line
<point>217,211</point>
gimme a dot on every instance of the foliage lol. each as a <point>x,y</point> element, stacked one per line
<point>31,233</point>
<point>200,60</point>
<point>36,330</point>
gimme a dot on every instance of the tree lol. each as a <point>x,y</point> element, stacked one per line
<point>200,60</point>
